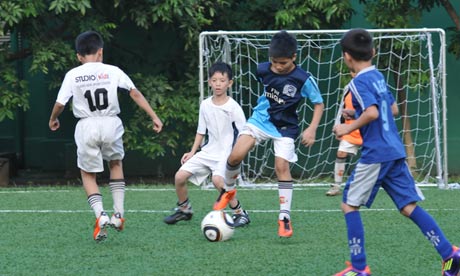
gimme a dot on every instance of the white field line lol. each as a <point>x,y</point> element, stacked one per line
<point>257,187</point>
<point>32,191</point>
<point>251,211</point>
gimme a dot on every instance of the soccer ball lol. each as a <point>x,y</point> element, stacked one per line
<point>217,226</point>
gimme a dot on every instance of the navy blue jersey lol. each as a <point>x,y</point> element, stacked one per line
<point>276,110</point>
<point>381,141</point>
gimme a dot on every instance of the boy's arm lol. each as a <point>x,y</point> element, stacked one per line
<point>370,114</point>
<point>54,122</point>
<point>394,109</point>
<point>309,134</point>
<point>140,100</point>
<point>196,145</point>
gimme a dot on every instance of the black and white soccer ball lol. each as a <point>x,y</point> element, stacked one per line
<point>217,226</point>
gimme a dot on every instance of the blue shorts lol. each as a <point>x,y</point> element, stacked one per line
<point>393,176</point>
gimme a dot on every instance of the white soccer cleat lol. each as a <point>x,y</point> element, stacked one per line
<point>117,222</point>
<point>100,227</point>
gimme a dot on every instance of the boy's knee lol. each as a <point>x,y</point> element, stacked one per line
<point>408,209</point>
<point>114,163</point>
<point>181,178</point>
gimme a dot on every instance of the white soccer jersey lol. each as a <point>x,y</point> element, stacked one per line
<point>93,86</point>
<point>217,121</point>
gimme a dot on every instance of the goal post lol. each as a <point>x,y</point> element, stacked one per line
<point>412,61</point>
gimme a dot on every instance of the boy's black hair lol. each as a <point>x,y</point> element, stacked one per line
<point>358,43</point>
<point>282,45</point>
<point>88,43</point>
<point>221,67</point>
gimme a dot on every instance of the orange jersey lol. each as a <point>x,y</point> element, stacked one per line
<point>355,136</point>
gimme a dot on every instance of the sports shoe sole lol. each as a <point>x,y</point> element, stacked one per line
<point>100,231</point>
<point>175,218</point>
<point>284,229</point>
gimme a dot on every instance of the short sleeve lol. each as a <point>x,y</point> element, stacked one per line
<point>65,92</point>
<point>311,91</point>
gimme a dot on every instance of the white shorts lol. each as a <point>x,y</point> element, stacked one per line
<point>201,165</point>
<point>98,139</point>
<point>348,147</point>
<point>284,146</point>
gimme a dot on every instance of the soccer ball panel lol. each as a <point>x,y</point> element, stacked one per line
<point>217,226</point>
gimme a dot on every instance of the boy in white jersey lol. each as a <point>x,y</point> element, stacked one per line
<point>98,133</point>
<point>382,163</point>
<point>221,118</point>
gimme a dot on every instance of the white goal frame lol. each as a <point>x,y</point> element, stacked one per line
<point>228,46</point>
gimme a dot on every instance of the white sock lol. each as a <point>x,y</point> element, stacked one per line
<point>237,209</point>
<point>117,187</point>
<point>95,202</point>
<point>231,174</point>
<point>339,169</point>
<point>285,196</point>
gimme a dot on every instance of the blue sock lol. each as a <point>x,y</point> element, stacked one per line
<point>431,231</point>
<point>356,239</point>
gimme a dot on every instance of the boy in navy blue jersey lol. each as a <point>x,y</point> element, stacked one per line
<point>275,118</point>
<point>382,163</point>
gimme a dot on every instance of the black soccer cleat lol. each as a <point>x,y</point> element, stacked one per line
<point>241,219</point>
<point>178,216</point>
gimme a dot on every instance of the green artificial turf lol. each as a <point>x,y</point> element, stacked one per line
<point>48,231</point>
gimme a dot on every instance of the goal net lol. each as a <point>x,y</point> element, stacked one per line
<point>412,61</point>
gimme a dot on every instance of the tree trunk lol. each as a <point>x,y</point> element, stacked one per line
<point>451,12</point>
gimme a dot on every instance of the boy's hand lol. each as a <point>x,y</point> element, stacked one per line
<point>54,124</point>
<point>308,137</point>
<point>157,125</point>
<point>340,130</point>
<point>186,157</point>
<point>348,114</point>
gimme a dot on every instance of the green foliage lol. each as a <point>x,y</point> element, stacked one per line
<point>288,14</point>
<point>454,45</point>
<point>177,109</point>
<point>47,30</point>
<point>13,93</point>
<point>187,16</point>
<point>406,14</point>
<point>313,14</point>
<point>63,6</point>
<point>396,14</point>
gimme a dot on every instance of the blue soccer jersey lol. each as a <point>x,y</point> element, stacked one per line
<point>276,110</point>
<point>381,141</point>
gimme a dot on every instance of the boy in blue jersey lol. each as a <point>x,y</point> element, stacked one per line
<point>382,163</point>
<point>275,117</point>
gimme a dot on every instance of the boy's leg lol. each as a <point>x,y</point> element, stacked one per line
<point>355,230</point>
<point>339,169</point>
<point>402,189</point>
<point>243,145</point>
<point>183,211</point>
<point>285,188</point>
<point>117,187</point>
<point>92,192</point>
<point>240,216</point>
<point>430,229</point>
<point>95,202</point>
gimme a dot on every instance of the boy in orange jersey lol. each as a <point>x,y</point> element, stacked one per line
<point>349,144</point>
